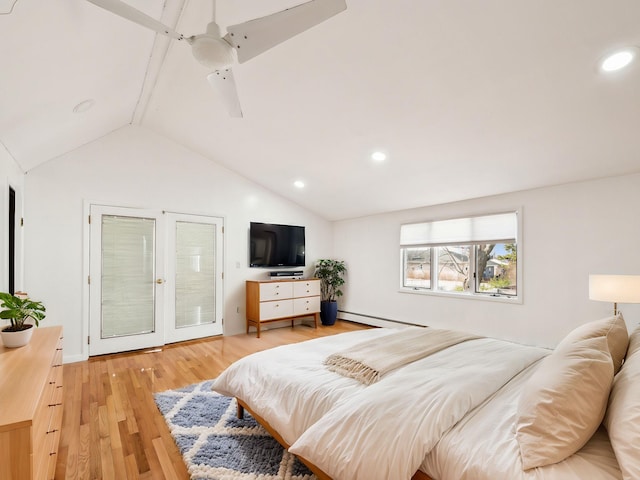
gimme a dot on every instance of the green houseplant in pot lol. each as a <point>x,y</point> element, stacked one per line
<point>331,275</point>
<point>18,309</point>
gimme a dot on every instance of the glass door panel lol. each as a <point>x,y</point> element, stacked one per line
<point>128,276</point>
<point>195,274</point>
<point>194,279</point>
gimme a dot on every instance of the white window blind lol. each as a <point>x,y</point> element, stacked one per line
<point>195,274</point>
<point>487,228</point>
<point>128,274</point>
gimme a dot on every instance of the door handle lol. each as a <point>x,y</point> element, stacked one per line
<point>159,281</point>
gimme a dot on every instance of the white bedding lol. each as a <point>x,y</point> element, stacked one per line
<point>483,446</point>
<point>289,386</point>
<point>384,431</point>
<point>378,432</point>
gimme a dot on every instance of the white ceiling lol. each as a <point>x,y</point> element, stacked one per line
<point>467,97</point>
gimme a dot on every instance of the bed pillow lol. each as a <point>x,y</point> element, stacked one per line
<point>614,328</point>
<point>623,413</point>
<point>563,402</point>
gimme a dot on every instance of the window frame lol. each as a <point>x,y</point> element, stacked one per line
<point>472,290</point>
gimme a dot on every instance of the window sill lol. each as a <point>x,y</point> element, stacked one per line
<point>469,296</point>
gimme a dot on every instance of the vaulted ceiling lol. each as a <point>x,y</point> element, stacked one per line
<point>467,98</point>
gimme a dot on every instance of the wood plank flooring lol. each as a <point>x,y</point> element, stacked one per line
<point>111,427</point>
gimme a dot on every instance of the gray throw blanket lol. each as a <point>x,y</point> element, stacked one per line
<point>368,361</point>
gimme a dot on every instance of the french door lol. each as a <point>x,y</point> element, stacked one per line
<point>155,278</point>
<point>194,273</point>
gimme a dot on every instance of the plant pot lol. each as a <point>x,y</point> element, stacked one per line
<point>328,312</point>
<point>16,339</point>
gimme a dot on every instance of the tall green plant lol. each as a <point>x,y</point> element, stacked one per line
<point>19,310</point>
<point>331,275</point>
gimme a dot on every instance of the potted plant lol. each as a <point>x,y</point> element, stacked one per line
<point>18,309</point>
<point>331,275</point>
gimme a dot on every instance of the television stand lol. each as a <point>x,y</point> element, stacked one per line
<point>282,299</point>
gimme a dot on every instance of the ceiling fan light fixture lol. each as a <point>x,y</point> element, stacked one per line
<point>214,53</point>
<point>618,60</point>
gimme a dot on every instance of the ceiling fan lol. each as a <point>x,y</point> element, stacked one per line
<point>241,42</point>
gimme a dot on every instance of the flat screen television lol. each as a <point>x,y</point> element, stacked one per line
<point>273,245</point>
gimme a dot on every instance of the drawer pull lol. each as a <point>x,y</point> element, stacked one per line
<point>55,404</point>
<point>52,431</point>
<point>59,386</point>
<point>52,453</point>
<point>57,365</point>
<point>58,349</point>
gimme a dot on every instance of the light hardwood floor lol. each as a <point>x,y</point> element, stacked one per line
<point>111,427</point>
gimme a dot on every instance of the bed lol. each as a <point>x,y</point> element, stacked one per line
<point>480,408</point>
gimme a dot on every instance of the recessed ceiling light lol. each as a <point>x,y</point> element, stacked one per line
<point>379,156</point>
<point>298,184</point>
<point>618,60</point>
<point>84,105</point>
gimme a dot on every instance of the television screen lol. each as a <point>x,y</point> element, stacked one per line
<point>273,245</point>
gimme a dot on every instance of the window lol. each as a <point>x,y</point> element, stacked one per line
<point>453,268</point>
<point>497,268</point>
<point>475,256</point>
<point>416,267</point>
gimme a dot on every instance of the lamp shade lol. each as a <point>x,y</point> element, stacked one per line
<point>615,288</point>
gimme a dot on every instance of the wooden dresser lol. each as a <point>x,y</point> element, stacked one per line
<point>275,300</point>
<point>31,406</point>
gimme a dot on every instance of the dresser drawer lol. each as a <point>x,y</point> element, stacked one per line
<point>276,309</point>
<point>275,290</point>
<point>53,456</point>
<point>306,288</point>
<point>43,439</point>
<point>306,305</point>
<point>40,427</point>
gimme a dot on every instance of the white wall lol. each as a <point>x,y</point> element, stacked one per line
<point>569,232</point>
<point>10,176</point>
<point>135,167</point>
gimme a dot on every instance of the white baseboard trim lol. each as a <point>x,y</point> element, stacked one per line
<point>74,358</point>
<point>373,320</point>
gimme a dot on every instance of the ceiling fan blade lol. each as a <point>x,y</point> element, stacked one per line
<point>259,35</point>
<point>130,13</point>
<point>225,84</point>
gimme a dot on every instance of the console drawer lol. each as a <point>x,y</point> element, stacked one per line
<point>276,309</point>
<point>275,291</point>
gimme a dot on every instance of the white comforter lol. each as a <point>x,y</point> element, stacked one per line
<point>289,386</point>
<point>383,431</point>
<point>483,446</point>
